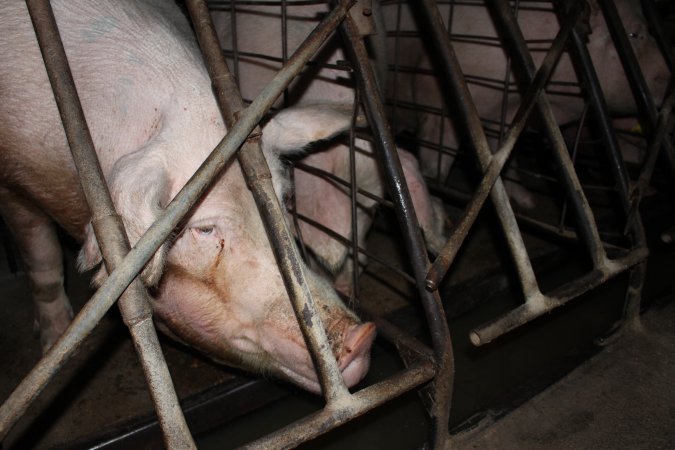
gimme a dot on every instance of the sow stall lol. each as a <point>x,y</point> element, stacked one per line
<point>429,367</point>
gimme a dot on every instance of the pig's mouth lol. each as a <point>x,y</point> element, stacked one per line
<point>353,360</point>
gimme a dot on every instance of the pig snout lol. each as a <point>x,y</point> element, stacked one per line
<point>350,343</point>
<point>354,357</point>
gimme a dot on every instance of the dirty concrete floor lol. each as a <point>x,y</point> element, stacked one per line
<point>622,398</point>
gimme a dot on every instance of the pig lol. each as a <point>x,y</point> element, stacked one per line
<point>153,118</point>
<point>484,64</point>
<point>259,33</point>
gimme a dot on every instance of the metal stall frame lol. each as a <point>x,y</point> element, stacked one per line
<point>124,264</point>
<point>536,302</point>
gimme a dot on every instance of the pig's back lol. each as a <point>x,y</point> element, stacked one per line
<point>127,58</point>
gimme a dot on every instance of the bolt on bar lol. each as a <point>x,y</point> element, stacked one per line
<point>108,228</point>
<point>405,212</point>
<point>461,229</point>
<point>154,237</point>
<point>259,180</point>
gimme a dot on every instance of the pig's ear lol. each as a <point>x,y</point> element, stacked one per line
<point>293,129</point>
<point>140,188</point>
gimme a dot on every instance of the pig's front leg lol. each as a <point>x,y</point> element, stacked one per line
<point>40,250</point>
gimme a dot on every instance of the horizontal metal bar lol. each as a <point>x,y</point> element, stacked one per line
<point>539,304</point>
<point>359,403</point>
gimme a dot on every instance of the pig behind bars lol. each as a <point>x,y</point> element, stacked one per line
<point>484,63</point>
<point>255,52</point>
<point>154,119</point>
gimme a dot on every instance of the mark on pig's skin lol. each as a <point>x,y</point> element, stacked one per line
<point>307,315</point>
<point>99,28</point>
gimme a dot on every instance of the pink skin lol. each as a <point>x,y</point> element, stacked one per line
<point>153,120</point>
<point>490,62</point>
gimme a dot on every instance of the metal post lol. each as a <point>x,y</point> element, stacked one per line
<point>405,213</point>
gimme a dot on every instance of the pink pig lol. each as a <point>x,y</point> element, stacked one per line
<point>153,119</point>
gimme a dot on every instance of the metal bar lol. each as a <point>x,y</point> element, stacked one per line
<point>656,30</point>
<point>619,173</point>
<point>461,228</point>
<point>259,180</point>
<point>468,114</point>
<point>537,306</point>
<point>523,62</point>
<point>411,231</point>
<point>361,402</point>
<point>155,236</point>
<point>631,67</point>
<point>109,230</point>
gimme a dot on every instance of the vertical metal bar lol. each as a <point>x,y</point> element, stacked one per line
<point>405,213</point>
<point>466,109</point>
<point>259,180</point>
<point>515,41</point>
<point>108,227</point>
<point>354,294</point>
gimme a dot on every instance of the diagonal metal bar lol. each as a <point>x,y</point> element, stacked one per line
<point>616,166</point>
<point>134,303</point>
<point>405,212</point>
<point>468,114</point>
<point>461,229</point>
<point>522,60</point>
<point>154,237</point>
<point>259,180</point>
<point>631,67</point>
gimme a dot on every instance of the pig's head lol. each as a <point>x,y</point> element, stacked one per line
<point>608,64</point>
<point>217,286</point>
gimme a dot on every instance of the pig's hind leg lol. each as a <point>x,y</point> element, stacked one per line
<point>38,244</point>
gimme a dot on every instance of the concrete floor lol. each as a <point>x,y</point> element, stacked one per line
<point>622,398</point>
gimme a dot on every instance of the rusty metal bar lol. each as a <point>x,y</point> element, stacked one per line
<point>155,236</point>
<point>461,229</point>
<point>110,234</point>
<point>536,306</point>
<point>467,112</point>
<point>411,231</point>
<point>259,180</point>
<point>361,402</point>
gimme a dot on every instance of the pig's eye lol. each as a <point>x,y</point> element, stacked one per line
<point>204,231</point>
<point>633,35</point>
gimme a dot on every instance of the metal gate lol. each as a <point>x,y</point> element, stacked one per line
<point>430,370</point>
